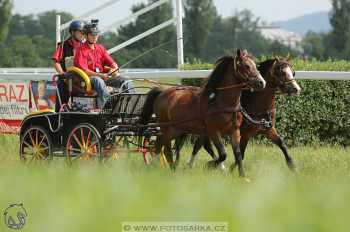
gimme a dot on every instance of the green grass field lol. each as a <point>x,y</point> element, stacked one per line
<point>94,197</point>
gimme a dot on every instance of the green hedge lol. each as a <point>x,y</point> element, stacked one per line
<point>320,115</point>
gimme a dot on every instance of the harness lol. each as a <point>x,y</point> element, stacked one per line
<point>263,124</point>
<point>68,50</point>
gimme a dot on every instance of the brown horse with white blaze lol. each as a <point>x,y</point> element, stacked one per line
<point>187,110</point>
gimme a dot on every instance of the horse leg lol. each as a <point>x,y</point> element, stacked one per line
<point>273,136</point>
<point>217,140</point>
<point>243,145</point>
<point>179,142</point>
<point>158,145</point>
<point>166,142</point>
<point>203,140</point>
<point>235,143</point>
<point>169,155</point>
<point>197,146</point>
<point>209,148</point>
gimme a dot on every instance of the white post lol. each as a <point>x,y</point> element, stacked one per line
<point>180,44</point>
<point>58,29</point>
<point>142,35</point>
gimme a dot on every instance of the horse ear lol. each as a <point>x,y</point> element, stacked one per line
<point>241,53</point>
<point>289,58</point>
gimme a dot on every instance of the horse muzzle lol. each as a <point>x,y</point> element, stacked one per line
<point>293,90</point>
<point>257,84</point>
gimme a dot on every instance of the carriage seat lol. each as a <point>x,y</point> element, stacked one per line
<point>80,88</point>
<point>78,82</point>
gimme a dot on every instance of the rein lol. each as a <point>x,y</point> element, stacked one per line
<point>241,86</point>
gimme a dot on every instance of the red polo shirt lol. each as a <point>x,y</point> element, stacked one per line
<point>93,60</point>
<point>58,55</point>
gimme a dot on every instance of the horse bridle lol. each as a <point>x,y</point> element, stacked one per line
<point>238,74</point>
<point>283,82</point>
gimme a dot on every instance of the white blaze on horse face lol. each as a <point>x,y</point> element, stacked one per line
<point>262,80</point>
<point>295,85</point>
<point>289,72</point>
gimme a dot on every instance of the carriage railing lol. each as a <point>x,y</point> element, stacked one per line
<point>121,115</point>
<point>124,105</point>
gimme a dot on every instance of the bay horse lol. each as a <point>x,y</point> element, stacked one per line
<point>258,106</point>
<point>187,110</point>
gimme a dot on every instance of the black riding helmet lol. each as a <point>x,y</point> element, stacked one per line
<point>91,27</point>
<point>76,25</point>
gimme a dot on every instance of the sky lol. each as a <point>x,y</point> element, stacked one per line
<point>267,10</point>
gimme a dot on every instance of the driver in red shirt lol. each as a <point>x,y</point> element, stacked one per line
<point>92,58</point>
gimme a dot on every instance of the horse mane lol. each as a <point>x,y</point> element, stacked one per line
<point>219,71</point>
<point>265,66</point>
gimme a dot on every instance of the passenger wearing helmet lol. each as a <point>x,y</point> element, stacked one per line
<point>92,58</point>
<point>68,47</point>
<point>63,54</point>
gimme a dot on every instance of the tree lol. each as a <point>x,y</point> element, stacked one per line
<point>314,45</point>
<point>159,57</point>
<point>37,33</point>
<point>239,31</point>
<point>199,18</point>
<point>340,21</point>
<point>5,17</point>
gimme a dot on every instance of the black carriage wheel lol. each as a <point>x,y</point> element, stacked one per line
<point>36,144</point>
<point>83,143</point>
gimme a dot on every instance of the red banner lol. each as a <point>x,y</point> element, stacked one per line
<point>14,105</point>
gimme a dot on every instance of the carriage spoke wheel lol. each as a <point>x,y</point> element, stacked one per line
<point>83,143</point>
<point>35,145</point>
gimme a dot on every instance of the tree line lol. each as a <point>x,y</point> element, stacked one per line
<point>29,40</point>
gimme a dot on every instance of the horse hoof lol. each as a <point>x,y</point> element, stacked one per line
<point>222,167</point>
<point>247,180</point>
<point>291,167</point>
<point>211,164</point>
<point>190,165</point>
<point>233,167</point>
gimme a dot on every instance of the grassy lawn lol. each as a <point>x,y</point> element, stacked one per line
<point>95,197</point>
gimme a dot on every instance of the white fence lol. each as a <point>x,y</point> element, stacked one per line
<point>177,20</point>
<point>8,74</point>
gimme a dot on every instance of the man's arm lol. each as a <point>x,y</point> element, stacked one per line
<point>56,58</point>
<point>107,59</point>
<point>58,67</point>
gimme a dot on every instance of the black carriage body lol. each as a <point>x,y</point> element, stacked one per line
<point>119,117</point>
<point>59,125</point>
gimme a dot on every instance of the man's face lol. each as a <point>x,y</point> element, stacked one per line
<point>78,35</point>
<point>92,38</point>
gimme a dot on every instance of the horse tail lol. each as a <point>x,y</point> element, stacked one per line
<point>148,110</point>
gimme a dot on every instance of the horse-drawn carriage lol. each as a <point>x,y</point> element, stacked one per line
<point>78,133</point>
<point>210,112</point>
